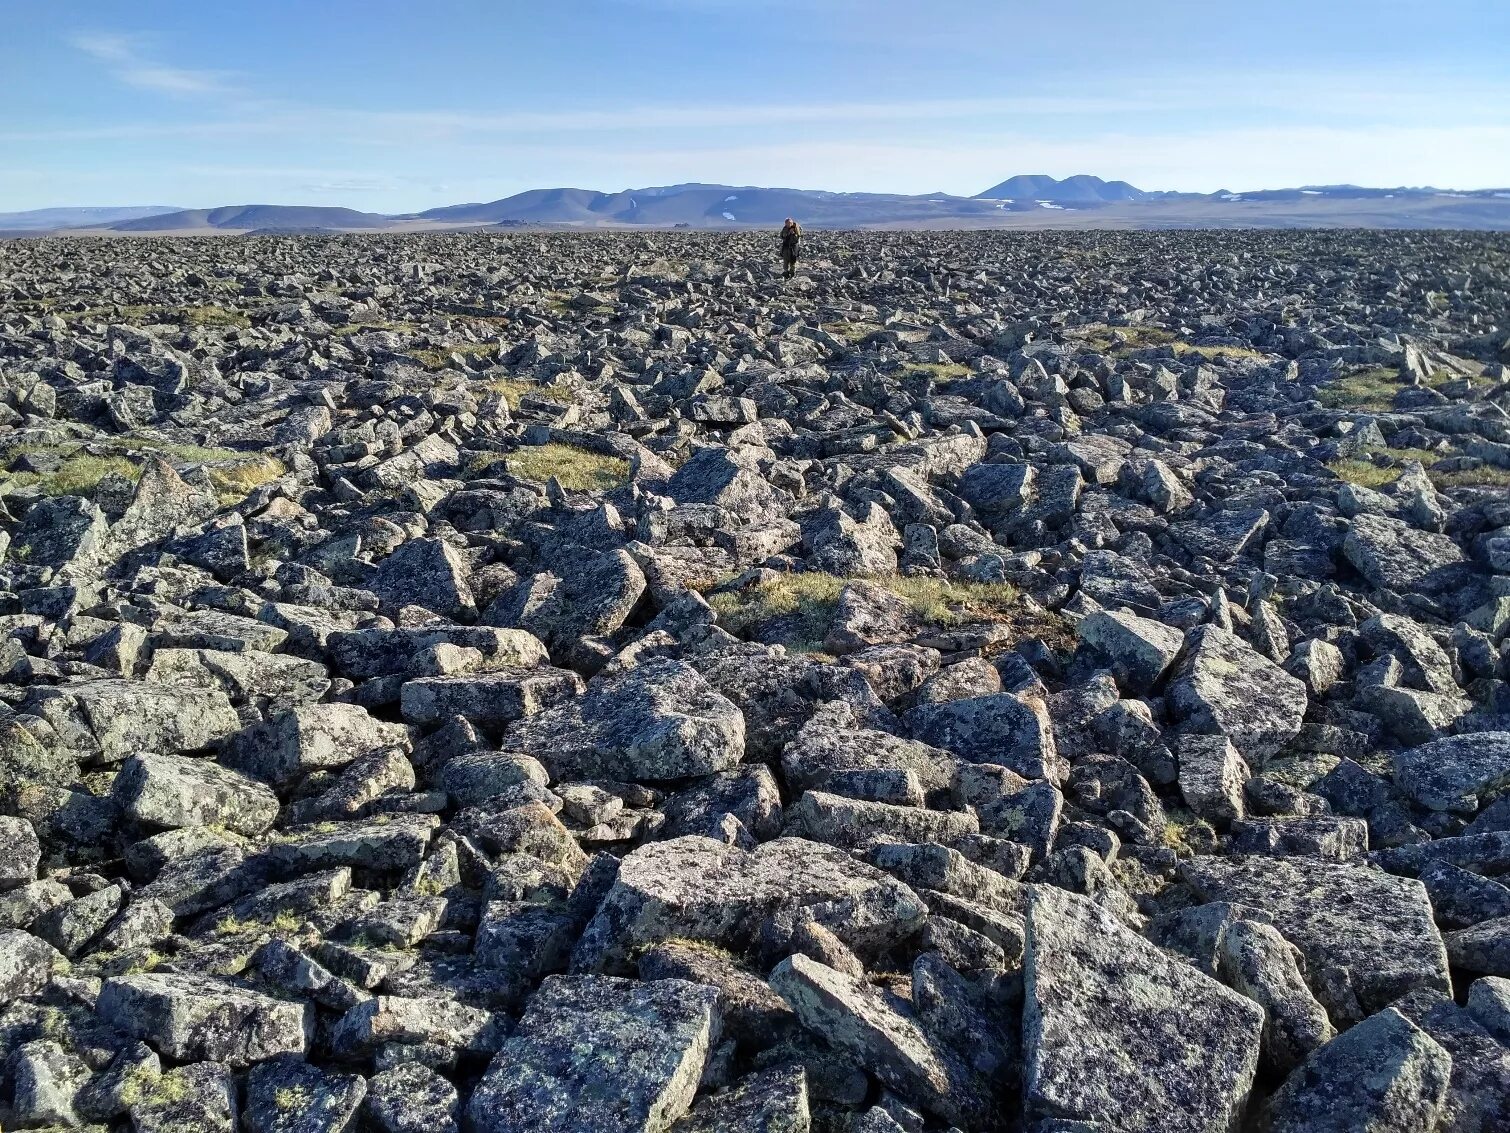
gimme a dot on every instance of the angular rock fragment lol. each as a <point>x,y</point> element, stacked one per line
<point>1117,1032</point>
<point>658,721</point>
<point>600,1052</point>
<point>188,1018</point>
<point>1383,1074</point>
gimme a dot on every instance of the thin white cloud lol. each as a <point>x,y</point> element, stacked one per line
<point>129,64</point>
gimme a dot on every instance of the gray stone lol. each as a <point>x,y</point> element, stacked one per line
<point>1222,686</point>
<point>288,1095</point>
<point>880,1038</point>
<point>1211,777</point>
<point>769,1101</point>
<point>292,743</point>
<point>113,719</point>
<point>853,823</point>
<point>1453,774</point>
<point>600,1055</point>
<point>1008,729</point>
<point>425,572</point>
<point>1139,650</point>
<point>200,1096</point>
<point>1377,928</point>
<point>46,1080</point>
<point>1489,1004</point>
<point>412,1098</point>
<point>1254,959</point>
<point>174,791</point>
<point>1116,1031</point>
<point>697,889</point>
<point>192,1017</point>
<point>20,851</point>
<point>488,699</point>
<point>1395,556</point>
<point>660,720</point>
<point>1483,948</point>
<point>1385,1075</point>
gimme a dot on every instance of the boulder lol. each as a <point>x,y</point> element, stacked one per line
<point>1118,1032</point>
<point>599,1053</point>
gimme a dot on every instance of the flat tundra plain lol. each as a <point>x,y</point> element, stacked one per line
<point>1042,682</point>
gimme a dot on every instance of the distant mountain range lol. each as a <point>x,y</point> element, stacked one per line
<point>1030,201</point>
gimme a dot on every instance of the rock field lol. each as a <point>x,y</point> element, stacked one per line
<point>1056,683</point>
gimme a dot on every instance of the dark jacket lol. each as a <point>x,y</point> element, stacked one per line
<point>789,239</point>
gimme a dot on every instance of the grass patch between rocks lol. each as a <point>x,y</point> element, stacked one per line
<point>514,390</point>
<point>575,469</point>
<point>808,600</point>
<point>234,474</point>
<point>941,371</point>
<point>439,357</point>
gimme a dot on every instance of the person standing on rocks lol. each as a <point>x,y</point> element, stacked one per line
<point>791,235</point>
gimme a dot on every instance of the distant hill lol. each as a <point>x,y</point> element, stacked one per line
<point>78,217</point>
<point>707,206</point>
<point>1079,190</point>
<point>1026,201</point>
<point>242,217</point>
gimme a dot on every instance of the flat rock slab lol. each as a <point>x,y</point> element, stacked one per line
<point>111,719</point>
<point>697,889</point>
<point>192,1018</point>
<point>1002,728</point>
<point>597,1054</point>
<point>365,653</point>
<point>1118,1032</point>
<point>1385,1075</point>
<point>880,1038</point>
<point>661,720</point>
<point>492,698</point>
<point>1394,556</point>
<point>1454,773</point>
<point>174,791</point>
<point>1376,927</point>
<point>1139,650</point>
<point>1223,686</point>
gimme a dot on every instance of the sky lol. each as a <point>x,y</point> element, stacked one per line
<point>397,106</point>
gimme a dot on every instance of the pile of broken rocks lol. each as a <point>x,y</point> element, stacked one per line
<point>970,686</point>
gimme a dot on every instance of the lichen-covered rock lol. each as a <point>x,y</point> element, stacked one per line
<point>1223,687</point>
<point>1453,774</point>
<point>20,852</point>
<point>174,791</point>
<point>109,720</point>
<point>881,1039</point>
<point>602,1055</point>
<point>1116,1031</point>
<point>191,1018</point>
<point>1394,556</point>
<point>1373,931</point>
<point>1383,1075</point>
<point>1139,650</point>
<point>308,738</point>
<point>1255,959</point>
<point>429,573</point>
<point>411,1098</point>
<point>1003,728</point>
<point>26,964</point>
<point>657,721</point>
<point>769,1101</point>
<point>288,1095</point>
<point>698,889</point>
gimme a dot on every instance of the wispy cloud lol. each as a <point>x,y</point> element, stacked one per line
<point>128,62</point>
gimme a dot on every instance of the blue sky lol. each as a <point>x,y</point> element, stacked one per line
<point>393,106</point>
